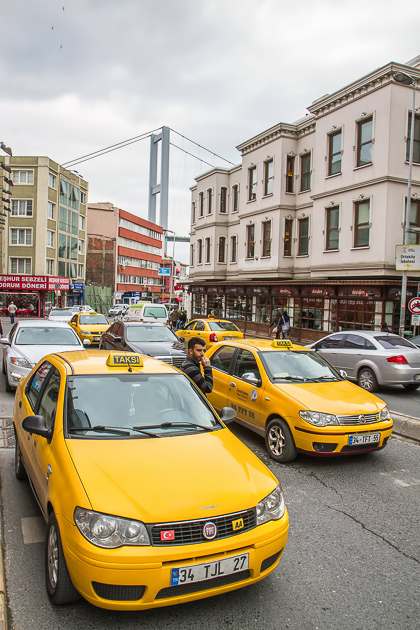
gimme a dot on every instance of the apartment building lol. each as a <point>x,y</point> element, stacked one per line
<point>309,220</point>
<point>43,232</point>
<point>124,252</point>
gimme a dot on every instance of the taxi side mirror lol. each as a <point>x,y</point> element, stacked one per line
<point>343,373</point>
<point>252,378</point>
<point>36,425</point>
<point>228,415</point>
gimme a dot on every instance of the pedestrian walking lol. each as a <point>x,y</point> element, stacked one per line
<point>285,326</point>
<point>277,323</point>
<point>195,361</point>
<point>12,311</point>
<point>182,320</point>
<point>174,318</point>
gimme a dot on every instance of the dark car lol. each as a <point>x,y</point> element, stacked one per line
<point>155,340</point>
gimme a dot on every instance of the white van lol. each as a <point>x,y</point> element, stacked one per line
<point>147,312</point>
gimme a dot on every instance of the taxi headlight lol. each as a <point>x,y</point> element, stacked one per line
<point>85,332</point>
<point>20,362</point>
<point>384,414</point>
<point>318,419</point>
<point>108,531</point>
<point>271,508</point>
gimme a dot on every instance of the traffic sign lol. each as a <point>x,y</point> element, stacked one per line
<point>164,271</point>
<point>414,305</point>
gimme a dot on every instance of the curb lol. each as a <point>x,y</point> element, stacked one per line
<point>406,426</point>
<point>3,605</point>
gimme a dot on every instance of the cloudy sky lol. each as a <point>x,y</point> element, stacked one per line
<point>81,75</point>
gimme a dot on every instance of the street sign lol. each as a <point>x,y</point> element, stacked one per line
<point>414,305</point>
<point>415,320</point>
<point>164,271</point>
<point>407,257</point>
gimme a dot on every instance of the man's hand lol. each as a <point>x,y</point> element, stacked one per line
<point>205,361</point>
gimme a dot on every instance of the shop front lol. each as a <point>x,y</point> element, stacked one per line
<point>33,295</point>
<point>314,309</point>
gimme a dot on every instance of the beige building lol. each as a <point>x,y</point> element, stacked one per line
<point>44,230</point>
<point>309,221</point>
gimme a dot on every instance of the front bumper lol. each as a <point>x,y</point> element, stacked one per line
<point>135,578</point>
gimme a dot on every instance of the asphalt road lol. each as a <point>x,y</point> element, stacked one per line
<point>352,560</point>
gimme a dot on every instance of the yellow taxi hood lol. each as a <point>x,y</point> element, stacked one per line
<point>339,398</point>
<point>171,478</point>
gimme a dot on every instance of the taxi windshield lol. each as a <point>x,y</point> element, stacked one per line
<point>135,405</point>
<point>222,326</point>
<point>299,366</point>
<point>150,333</point>
<point>59,312</point>
<point>92,319</point>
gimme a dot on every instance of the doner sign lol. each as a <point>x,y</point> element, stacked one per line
<point>407,257</point>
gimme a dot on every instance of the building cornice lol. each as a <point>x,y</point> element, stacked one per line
<point>370,182</point>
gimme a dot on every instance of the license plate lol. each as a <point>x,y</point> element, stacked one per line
<point>416,377</point>
<point>228,337</point>
<point>209,570</point>
<point>96,339</point>
<point>364,438</point>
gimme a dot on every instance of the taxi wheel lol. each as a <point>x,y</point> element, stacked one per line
<point>279,441</point>
<point>367,380</point>
<point>60,588</point>
<point>20,472</point>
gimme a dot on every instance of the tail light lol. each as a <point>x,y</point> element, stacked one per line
<point>243,335</point>
<point>213,338</point>
<point>398,359</point>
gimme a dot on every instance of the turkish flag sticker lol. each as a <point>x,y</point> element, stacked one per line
<point>167,535</point>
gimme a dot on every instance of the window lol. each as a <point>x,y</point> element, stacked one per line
<point>20,236</point>
<point>21,207</point>
<point>50,267</point>
<point>20,265</point>
<point>209,201</point>
<point>193,212</point>
<point>414,237</point>
<point>288,228</point>
<point>268,177</point>
<point>266,229</point>
<point>222,248</point>
<point>81,246</point>
<point>332,220</point>
<point>235,198</point>
<point>364,141</point>
<point>199,251</point>
<point>201,204</point>
<point>305,172</point>
<point>191,255</point>
<point>222,358</point>
<point>290,174</point>
<point>51,180</point>
<point>223,200</point>
<point>303,246</point>
<point>48,404</point>
<point>81,222</point>
<point>250,241</point>
<point>416,147</point>
<point>207,246</point>
<point>36,382</point>
<point>51,210</point>
<point>246,363</point>
<point>361,223</point>
<point>334,153</point>
<point>80,271</point>
<point>83,198</point>
<point>252,183</point>
<point>233,248</point>
<point>50,238</point>
<point>23,177</point>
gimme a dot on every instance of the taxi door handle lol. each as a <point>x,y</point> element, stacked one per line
<point>232,384</point>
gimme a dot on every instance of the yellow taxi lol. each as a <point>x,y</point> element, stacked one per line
<point>296,400</point>
<point>211,330</point>
<point>149,499</point>
<point>89,325</point>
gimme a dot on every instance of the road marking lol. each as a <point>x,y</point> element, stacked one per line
<point>33,529</point>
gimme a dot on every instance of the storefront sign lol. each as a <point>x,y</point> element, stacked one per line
<point>257,291</point>
<point>359,292</point>
<point>286,291</point>
<point>33,283</point>
<point>318,292</point>
<point>407,257</point>
<point>235,290</point>
<point>215,290</point>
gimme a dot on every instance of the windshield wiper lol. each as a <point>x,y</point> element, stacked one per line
<point>168,425</point>
<point>99,428</point>
<point>289,378</point>
<point>321,378</point>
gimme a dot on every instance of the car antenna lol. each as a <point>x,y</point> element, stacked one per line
<point>130,369</point>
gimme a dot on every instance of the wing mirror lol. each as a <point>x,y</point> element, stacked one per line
<point>252,378</point>
<point>228,415</point>
<point>36,425</point>
<point>343,373</point>
<point>5,341</point>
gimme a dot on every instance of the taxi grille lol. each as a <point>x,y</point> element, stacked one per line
<point>177,361</point>
<point>118,592</point>
<point>368,418</point>
<point>185,589</point>
<point>191,532</point>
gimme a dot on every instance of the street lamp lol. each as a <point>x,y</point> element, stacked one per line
<point>406,79</point>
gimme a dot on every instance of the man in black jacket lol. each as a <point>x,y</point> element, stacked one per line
<point>194,361</point>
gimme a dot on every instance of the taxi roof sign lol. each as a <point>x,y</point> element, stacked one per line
<point>119,359</point>
<point>281,343</point>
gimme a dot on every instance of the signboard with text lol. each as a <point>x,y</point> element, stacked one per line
<point>407,257</point>
<point>33,283</point>
<point>164,271</point>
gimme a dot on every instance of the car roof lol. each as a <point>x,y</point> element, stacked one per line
<point>141,324</point>
<point>41,323</point>
<point>81,362</point>
<point>258,344</point>
<point>368,333</point>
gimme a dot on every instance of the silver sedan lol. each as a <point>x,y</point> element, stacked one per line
<point>372,358</point>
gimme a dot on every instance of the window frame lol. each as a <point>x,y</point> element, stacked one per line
<point>29,204</point>
<point>268,177</point>
<point>329,229</point>
<point>303,240</point>
<point>18,231</point>
<point>235,198</point>
<point>266,239</point>
<point>416,147</point>
<point>360,145</point>
<point>201,205</point>
<point>207,249</point>
<point>250,243</point>
<point>51,238</point>
<point>414,237</point>
<point>305,175</point>
<point>209,201</point>
<point>223,208</point>
<point>287,241</point>
<point>359,225</point>
<point>290,173</point>
<point>222,250</point>
<point>252,183</point>
<point>200,251</point>
<point>193,212</point>
<point>17,180</point>
<point>332,153</point>
<point>234,248</point>
<point>26,272</point>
